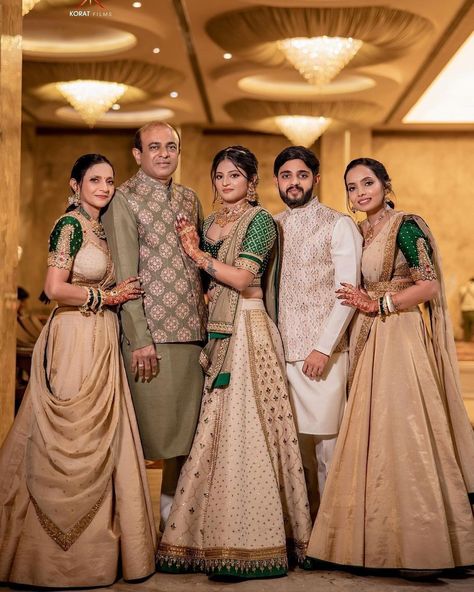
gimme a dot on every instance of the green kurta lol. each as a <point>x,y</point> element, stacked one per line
<point>139,224</point>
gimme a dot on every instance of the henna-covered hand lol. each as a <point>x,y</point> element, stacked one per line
<point>129,289</point>
<point>188,236</point>
<point>357,297</point>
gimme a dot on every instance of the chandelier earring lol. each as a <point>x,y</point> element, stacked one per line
<point>349,206</point>
<point>251,193</point>
<point>75,199</point>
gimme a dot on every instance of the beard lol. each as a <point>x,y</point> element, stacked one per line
<point>298,202</point>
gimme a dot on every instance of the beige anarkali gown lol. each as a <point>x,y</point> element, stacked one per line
<point>74,500</point>
<point>397,492</point>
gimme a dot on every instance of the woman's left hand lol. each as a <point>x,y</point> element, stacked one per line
<point>188,236</point>
<point>357,298</point>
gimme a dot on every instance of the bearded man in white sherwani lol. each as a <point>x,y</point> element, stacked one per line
<point>321,248</point>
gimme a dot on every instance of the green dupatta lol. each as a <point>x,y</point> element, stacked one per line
<point>217,354</point>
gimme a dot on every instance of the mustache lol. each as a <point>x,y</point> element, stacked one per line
<point>294,187</point>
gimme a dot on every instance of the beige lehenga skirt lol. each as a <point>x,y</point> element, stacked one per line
<point>395,496</point>
<point>74,501</point>
<point>241,505</point>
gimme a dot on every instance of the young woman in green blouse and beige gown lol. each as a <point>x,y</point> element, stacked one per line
<point>401,483</point>
<point>241,506</point>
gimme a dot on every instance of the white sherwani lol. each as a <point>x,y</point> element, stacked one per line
<point>321,249</point>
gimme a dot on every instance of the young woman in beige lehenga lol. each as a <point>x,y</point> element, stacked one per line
<point>399,489</point>
<point>241,506</point>
<point>74,500</point>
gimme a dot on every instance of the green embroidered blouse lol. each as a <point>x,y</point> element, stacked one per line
<point>417,251</point>
<point>65,241</point>
<point>256,246</point>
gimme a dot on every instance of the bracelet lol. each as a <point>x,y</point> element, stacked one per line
<point>381,311</point>
<point>100,298</point>
<point>86,307</point>
<point>203,260</point>
<point>389,303</point>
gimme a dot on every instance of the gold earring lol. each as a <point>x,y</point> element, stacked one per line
<point>251,193</point>
<point>75,199</point>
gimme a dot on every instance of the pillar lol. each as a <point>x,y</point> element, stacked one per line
<point>10,127</point>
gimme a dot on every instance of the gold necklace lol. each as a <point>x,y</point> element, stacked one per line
<point>369,235</point>
<point>227,215</point>
<point>97,227</point>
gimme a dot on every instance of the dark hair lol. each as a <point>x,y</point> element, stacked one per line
<point>296,153</point>
<point>137,139</point>
<point>242,158</point>
<point>379,171</point>
<point>22,294</point>
<point>82,165</point>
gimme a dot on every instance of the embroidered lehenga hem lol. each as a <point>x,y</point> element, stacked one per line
<point>245,563</point>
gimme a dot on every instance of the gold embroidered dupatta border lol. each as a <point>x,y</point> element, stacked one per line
<point>223,307</point>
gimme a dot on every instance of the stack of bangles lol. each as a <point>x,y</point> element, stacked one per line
<point>94,302</point>
<point>386,305</point>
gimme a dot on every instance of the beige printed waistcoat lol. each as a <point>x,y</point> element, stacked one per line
<point>307,286</point>
<point>174,303</point>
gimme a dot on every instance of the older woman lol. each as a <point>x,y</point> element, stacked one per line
<point>241,504</point>
<point>73,493</point>
<point>398,493</point>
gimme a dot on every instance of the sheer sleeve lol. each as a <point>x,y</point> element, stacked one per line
<point>65,241</point>
<point>258,241</point>
<point>417,251</point>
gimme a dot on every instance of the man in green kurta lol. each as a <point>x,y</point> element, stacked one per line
<point>163,333</point>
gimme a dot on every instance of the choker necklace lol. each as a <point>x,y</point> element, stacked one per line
<point>97,227</point>
<point>226,215</point>
<point>369,235</point>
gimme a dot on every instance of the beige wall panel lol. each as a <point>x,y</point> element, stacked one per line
<point>432,177</point>
<point>10,121</point>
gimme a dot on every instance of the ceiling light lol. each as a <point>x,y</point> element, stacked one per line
<point>449,99</point>
<point>115,107</point>
<point>137,4</point>
<point>319,59</point>
<point>302,130</point>
<point>227,56</point>
<point>91,98</point>
<point>156,50</point>
<point>28,5</point>
<point>174,94</point>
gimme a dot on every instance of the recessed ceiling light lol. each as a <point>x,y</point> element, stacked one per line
<point>174,94</point>
<point>115,106</point>
<point>227,56</point>
<point>137,4</point>
<point>156,50</point>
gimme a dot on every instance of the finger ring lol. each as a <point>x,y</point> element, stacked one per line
<point>141,365</point>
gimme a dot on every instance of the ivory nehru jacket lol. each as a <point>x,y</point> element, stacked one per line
<point>140,230</point>
<point>321,249</point>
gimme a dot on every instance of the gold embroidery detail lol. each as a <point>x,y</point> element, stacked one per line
<point>61,257</point>
<point>252,266</point>
<point>425,269</point>
<point>68,538</point>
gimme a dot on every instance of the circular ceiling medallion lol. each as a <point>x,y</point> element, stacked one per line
<point>122,118</point>
<point>289,85</point>
<point>43,38</point>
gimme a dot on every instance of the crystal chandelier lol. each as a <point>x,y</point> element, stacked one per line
<point>28,5</point>
<point>319,59</point>
<point>302,130</point>
<point>91,98</point>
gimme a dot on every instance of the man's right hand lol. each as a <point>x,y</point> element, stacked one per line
<point>145,363</point>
